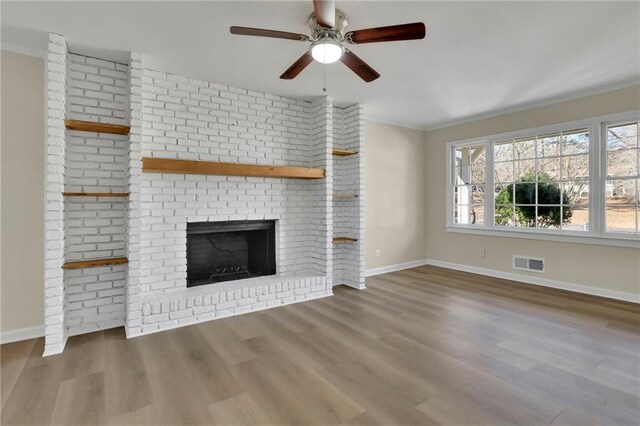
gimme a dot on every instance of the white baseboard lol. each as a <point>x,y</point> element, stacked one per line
<point>577,288</point>
<point>396,267</point>
<point>21,334</point>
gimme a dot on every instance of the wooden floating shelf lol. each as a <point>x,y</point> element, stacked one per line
<point>343,196</point>
<point>95,194</point>
<point>344,152</point>
<point>91,126</point>
<point>339,240</point>
<point>94,263</point>
<point>165,165</point>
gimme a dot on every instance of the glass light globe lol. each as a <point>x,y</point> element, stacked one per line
<point>326,51</point>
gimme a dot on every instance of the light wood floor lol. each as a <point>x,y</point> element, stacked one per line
<point>423,346</point>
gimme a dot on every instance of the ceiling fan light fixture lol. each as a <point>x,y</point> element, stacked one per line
<point>326,51</point>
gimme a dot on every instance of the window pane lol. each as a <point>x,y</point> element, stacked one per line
<point>549,145</point>
<point>503,172</point>
<point>622,162</point>
<point>575,167</point>
<point>462,156</point>
<point>503,151</point>
<point>621,218</point>
<point>549,217</point>
<point>525,216</point>
<point>504,215</point>
<point>461,214</point>
<point>624,136</point>
<point>549,169</point>
<point>620,196</point>
<point>575,217</point>
<point>525,170</point>
<point>468,175</point>
<point>477,194</point>
<point>478,214</point>
<point>620,191</point>
<point>575,191</point>
<point>525,148</point>
<point>470,165</point>
<point>549,193</point>
<point>478,165</point>
<point>575,142</point>
<point>462,175</point>
<point>525,193</point>
<point>467,200</point>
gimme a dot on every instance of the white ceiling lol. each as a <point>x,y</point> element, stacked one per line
<point>478,59</point>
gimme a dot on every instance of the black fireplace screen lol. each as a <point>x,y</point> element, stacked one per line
<point>226,251</point>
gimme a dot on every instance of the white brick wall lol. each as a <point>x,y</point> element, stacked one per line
<point>193,119</point>
<point>322,223</point>
<point>94,298</point>
<point>55,337</point>
<point>348,213</point>
<point>97,90</point>
<point>95,227</point>
<point>133,322</point>
<point>163,311</point>
<point>178,117</point>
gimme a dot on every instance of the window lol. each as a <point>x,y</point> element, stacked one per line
<point>542,181</point>
<point>468,182</point>
<point>578,181</point>
<point>622,183</point>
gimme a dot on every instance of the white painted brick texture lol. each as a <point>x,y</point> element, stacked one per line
<point>133,322</point>
<point>95,227</point>
<point>192,119</point>
<point>182,118</point>
<point>55,336</point>
<point>348,213</point>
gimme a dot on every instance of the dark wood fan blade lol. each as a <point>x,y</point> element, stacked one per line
<point>297,67</point>
<point>325,13</point>
<point>359,66</point>
<point>259,32</point>
<point>413,31</point>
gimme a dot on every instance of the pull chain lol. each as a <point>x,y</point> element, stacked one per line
<point>324,72</point>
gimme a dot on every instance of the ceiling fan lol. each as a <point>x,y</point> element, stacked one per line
<point>328,37</point>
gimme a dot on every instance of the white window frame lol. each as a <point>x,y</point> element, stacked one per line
<point>597,168</point>
<point>603,173</point>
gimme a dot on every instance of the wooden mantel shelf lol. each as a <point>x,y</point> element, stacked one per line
<point>95,194</point>
<point>343,152</point>
<point>165,165</point>
<point>339,240</point>
<point>94,263</point>
<point>91,126</point>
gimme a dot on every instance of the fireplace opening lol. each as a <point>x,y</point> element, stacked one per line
<point>227,251</point>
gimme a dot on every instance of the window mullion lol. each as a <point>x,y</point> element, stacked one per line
<point>597,178</point>
<point>489,192</point>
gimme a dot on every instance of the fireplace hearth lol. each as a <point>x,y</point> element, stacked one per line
<point>231,250</point>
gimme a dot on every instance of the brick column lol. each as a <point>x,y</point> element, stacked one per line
<point>133,321</point>
<point>55,337</point>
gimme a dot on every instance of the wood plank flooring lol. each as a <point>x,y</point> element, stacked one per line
<point>424,346</point>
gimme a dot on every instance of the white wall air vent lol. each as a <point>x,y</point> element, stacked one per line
<point>531,264</point>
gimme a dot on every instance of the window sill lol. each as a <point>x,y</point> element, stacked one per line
<point>630,241</point>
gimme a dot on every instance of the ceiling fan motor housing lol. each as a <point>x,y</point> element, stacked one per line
<point>336,33</point>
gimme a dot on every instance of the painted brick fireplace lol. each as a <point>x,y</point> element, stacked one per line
<point>174,117</point>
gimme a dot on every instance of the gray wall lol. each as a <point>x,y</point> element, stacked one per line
<point>22,197</point>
